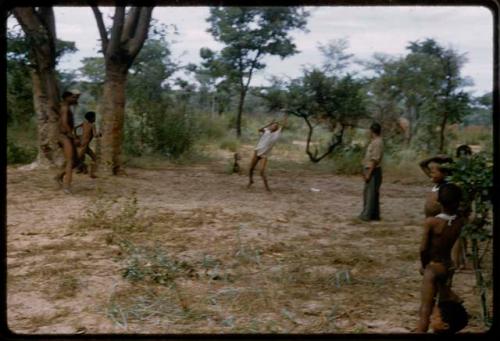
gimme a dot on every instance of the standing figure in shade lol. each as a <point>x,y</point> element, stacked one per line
<point>270,134</point>
<point>372,175</point>
<point>83,146</point>
<point>67,139</point>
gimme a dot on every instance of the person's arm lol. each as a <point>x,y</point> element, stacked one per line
<point>424,164</point>
<point>75,129</point>
<point>261,130</point>
<point>284,123</point>
<point>376,155</point>
<point>424,244</point>
<point>94,131</point>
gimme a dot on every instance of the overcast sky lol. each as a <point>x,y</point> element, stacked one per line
<point>368,30</point>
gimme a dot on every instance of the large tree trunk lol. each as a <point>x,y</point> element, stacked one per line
<point>120,46</point>
<point>113,113</point>
<point>39,28</point>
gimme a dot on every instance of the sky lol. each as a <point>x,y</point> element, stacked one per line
<point>369,30</point>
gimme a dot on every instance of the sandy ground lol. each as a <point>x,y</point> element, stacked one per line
<point>291,261</point>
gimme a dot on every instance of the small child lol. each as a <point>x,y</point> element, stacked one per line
<point>88,133</point>
<point>440,234</point>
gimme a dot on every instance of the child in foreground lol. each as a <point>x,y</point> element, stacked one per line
<point>440,234</point>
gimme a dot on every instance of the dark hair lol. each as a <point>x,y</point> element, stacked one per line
<point>66,94</point>
<point>454,314</point>
<point>449,195</point>
<point>376,128</point>
<point>90,116</point>
<point>464,150</point>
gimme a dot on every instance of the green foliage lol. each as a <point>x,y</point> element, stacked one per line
<point>248,35</point>
<point>474,175</point>
<point>18,154</point>
<point>347,160</point>
<point>230,143</point>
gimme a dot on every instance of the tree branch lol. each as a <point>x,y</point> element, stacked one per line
<point>116,31</point>
<point>141,32</point>
<point>101,27</point>
<point>130,24</point>
<point>314,156</point>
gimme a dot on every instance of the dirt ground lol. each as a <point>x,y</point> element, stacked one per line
<point>198,252</point>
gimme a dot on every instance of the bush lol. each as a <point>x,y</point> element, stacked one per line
<point>230,143</point>
<point>347,160</point>
<point>17,154</point>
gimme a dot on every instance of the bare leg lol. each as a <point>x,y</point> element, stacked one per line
<point>457,254</point>
<point>428,293</point>
<point>263,173</point>
<point>68,150</point>
<point>92,155</point>
<point>253,164</point>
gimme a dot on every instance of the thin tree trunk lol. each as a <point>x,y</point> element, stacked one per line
<point>113,111</point>
<point>441,132</point>
<point>240,112</point>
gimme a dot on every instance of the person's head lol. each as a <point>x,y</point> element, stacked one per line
<point>438,169</point>
<point>90,116</point>
<point>274,126</point>
<point>464,151</point>
<point>375,129</point>
<point>449,196</point>
<point>71,96</point>
<point>448,317</point>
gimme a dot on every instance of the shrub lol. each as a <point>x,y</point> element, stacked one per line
<point>347,160</point>
<point>17,154</point>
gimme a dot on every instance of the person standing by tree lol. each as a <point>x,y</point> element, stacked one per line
<point>83,147</point>
<point>67,138</point>
<point>372,174</point>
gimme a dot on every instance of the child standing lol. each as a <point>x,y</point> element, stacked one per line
<point>88,133</point>
<point>440,234</point>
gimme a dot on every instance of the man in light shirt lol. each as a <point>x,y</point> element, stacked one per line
<point>270,134</point>
<point>372,174</point>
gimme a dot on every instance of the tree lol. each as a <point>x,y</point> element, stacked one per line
<point>38,25</point>
<point>249,34</point>
<point>474,175</point>
<point>335,102</point>
<point>450,103</point>
<point>119,47</point>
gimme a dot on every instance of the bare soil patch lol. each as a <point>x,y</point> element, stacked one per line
<point>189,249</point>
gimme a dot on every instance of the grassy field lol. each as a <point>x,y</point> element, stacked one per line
<point>185,247</point>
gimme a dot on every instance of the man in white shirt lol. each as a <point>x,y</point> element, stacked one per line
<point>270,134</point>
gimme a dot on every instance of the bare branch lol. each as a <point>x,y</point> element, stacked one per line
<point>46,15</point>
<point>314,156</point>
<point>116,31</point>
<point>101,27</point>
<point>130,24</point>
<point>141,32</point>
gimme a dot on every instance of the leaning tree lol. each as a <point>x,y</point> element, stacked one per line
<point>320,99</point>
<point>38,25</point>
<point>120,46</point>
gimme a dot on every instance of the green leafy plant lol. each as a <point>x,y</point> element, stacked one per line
<point>475,177</point>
